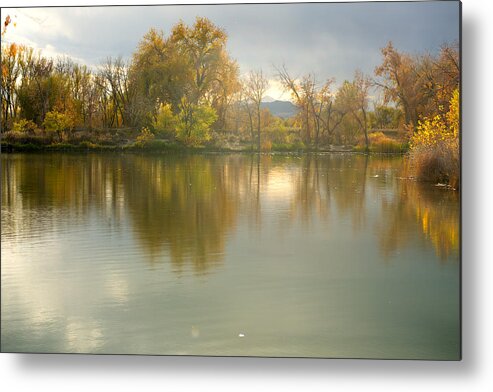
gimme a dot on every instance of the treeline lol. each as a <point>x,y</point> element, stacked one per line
<point>185,87</point>
<point>185,81</point>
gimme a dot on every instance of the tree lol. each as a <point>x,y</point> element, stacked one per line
<point>334,113</point>
<point>192,63</point>
<point>316,105</point>
<point>399,80</point>
<point>38,90</point>
<point>165,123</point>
<point>224,91</point>
<point>255,87</point>
<point>57,123</point>
<point>300,93</point>
<point>158,75</point>
<point>354,98</point>
<point>384,117</point>
<point>115,75</point>
<point>440,77</point>
<point>202,45</point>
<point>10,75</point>
<point>194,122</point>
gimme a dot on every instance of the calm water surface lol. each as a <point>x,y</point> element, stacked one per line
<point>314,255</point>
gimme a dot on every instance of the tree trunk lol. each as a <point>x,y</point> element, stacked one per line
<point>258,127</point>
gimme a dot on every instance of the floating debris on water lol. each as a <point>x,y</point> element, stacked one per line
<point>440,185</point>
<point>195,332</point>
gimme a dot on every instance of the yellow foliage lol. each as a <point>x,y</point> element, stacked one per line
<point>435,146</point>
<point>13,50</point>
<point>453,114</point>
<point>145,136</point>
<point>432,131</point>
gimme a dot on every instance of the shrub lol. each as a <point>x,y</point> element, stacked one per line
<point>166,121</point>
<point>59,123</point>
<point>24,126</point>
<point>435,147</point>
<point>25,138</point>
<point>144,137</point>
<point>89,145</point>
<point>434,164</point>
<point>381,144</point>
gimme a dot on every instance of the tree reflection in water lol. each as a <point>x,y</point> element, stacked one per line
<point>185,208</point>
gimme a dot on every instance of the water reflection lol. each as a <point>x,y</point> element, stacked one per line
<point>186,208</point>
<point>434,213</point>
<point>180,254</point>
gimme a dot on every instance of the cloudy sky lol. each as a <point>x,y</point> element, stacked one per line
<point>328,40</point>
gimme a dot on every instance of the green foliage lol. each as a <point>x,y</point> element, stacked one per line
<point>58,123</point>
<point>24,126</point>
<point>166,122</point>
<point>194,123</point>
<point>145,137</point>
<point>384,117</point>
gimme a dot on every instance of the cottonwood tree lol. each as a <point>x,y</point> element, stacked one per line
<point>202,45</point>
<point>319,109</point>
<point>334,112</point>
<point>192,63</point>
<point>301,93</point>
<point>398,78</point>
<point>255,87</point>
<point>115,73</point>
<point>10,75</point>
<point>421,86</point>
<point>354,98</point>
<point>440,77</point>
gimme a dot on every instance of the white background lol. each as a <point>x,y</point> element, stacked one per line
<point>473,373</point>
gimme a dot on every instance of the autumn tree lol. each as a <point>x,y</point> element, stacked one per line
<point>11,72</point>
<point>191,63</point>
<point>398,77</point>
<point>223,93</point>
<point>202,46</point>
<point>301,93</point>
<point>335,111</point>
<point>321,110</point>
<point>114,73</point>
<point>255,87</point>
<point>440,77</point>
<point>194,122</point>
<point>354,98</point>
<point>158,75</point>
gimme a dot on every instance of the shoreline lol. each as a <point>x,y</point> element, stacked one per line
<point>11,148</point>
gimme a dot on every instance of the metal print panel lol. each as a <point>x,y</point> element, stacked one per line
<point>278,180</point>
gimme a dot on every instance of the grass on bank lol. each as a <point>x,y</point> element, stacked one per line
<point>379,143</point>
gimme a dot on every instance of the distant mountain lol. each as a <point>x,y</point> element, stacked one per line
<point>284,109</point>
<point>268,98</point>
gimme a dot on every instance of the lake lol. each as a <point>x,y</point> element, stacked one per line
<point>319,255</point>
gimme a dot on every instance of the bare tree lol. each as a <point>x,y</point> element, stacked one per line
<point>255,87</point>
<point>354,98</point>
